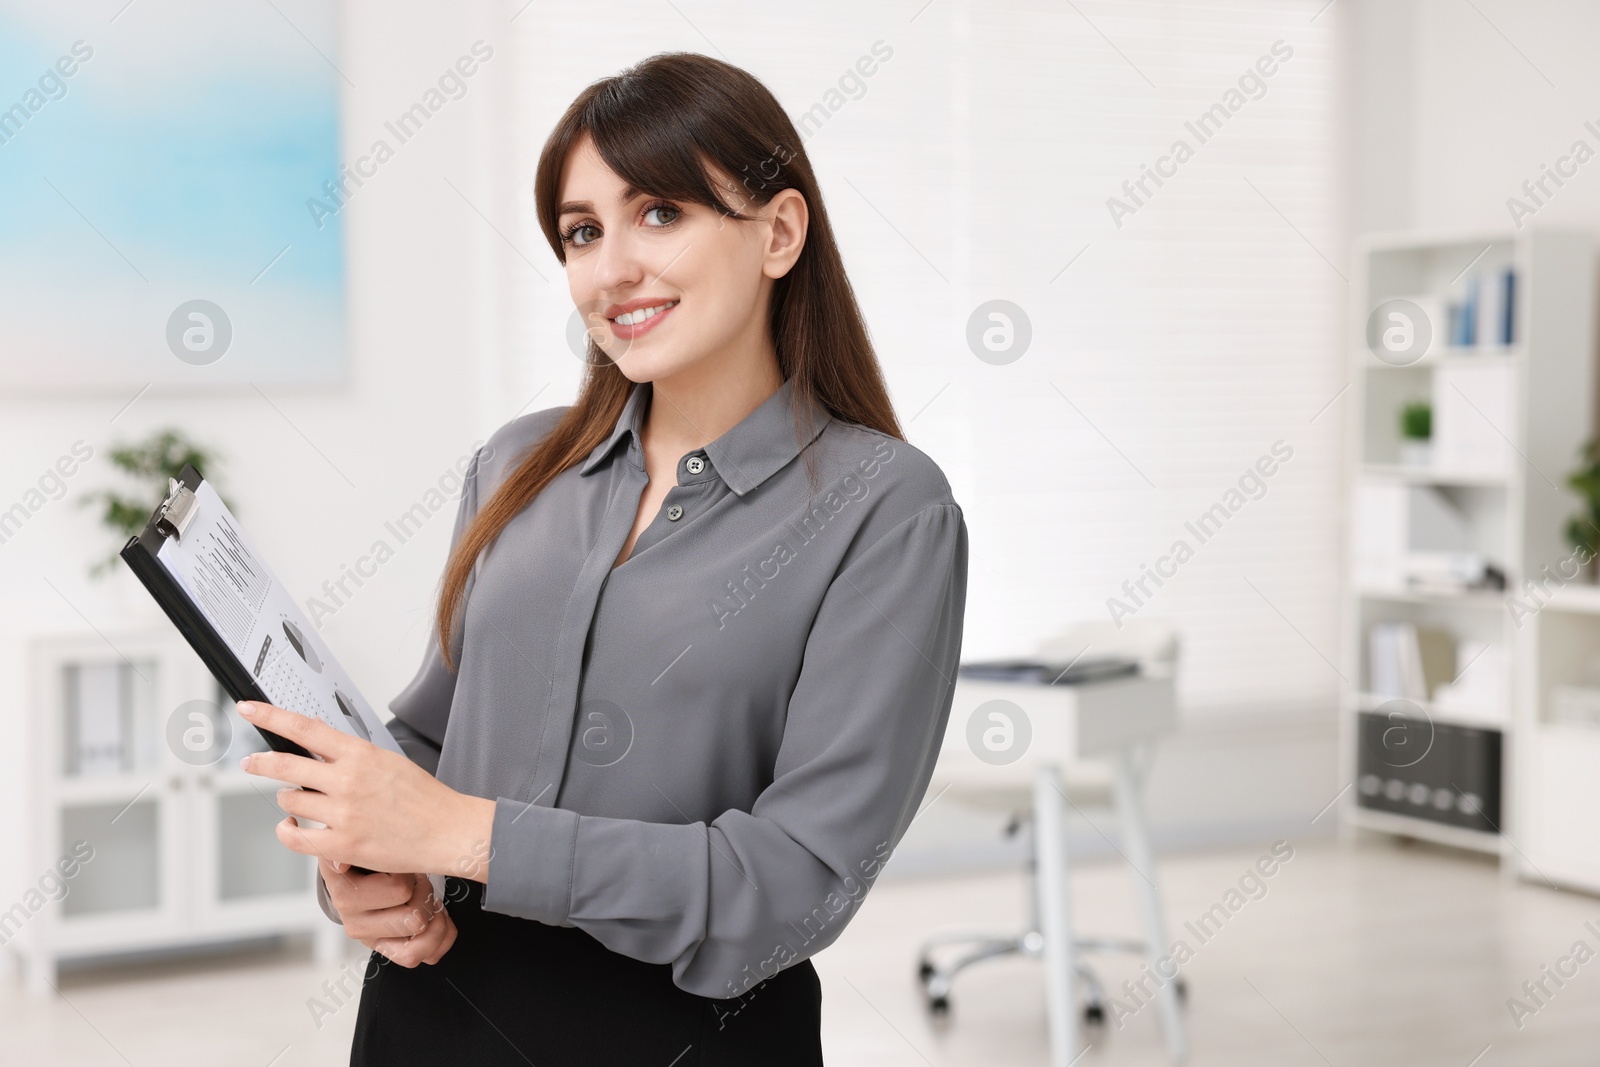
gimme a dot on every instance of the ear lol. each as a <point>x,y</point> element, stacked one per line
<point>788,217</point>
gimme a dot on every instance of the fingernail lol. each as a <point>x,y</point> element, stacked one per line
<point>244,763</point>
<point>246,708</point>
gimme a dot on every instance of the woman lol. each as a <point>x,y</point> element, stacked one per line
<point>695,644</point>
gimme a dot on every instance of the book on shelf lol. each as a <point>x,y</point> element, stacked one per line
<point>1484,313</point>
<point>1495,321</point>
<point>1408,662</point>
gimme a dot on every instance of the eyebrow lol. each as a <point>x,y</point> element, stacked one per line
<point>584,207</point>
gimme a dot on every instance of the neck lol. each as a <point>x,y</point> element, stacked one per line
<point>697,406</point>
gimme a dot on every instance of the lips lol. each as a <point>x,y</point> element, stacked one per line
<point>639,315</point>
<point>642,316</point>
<point>614,310</point>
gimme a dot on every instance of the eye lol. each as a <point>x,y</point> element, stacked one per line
<point>569,235</point>
<point>672,213</point>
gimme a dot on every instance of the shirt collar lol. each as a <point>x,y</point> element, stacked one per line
<point>758,447</point>
<point>631,421</point>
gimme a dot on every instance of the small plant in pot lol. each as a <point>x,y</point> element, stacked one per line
<point>145,467</point>
<point>1583,529</point>
<point>1416,434</point>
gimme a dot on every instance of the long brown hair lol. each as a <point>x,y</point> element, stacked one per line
<point>656,125</point>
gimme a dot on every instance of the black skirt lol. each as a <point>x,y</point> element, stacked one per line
<point>513,991</point>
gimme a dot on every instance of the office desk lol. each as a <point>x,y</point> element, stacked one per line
<point>1023,743</point>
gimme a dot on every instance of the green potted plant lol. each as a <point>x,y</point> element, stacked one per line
<point>145,466</point>
<point>1583,529</point>
<point>1416,434</point>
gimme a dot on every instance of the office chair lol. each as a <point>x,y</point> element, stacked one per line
<point>1089,784</point>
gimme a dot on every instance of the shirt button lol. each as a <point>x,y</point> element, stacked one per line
<point>674,513</point>
<point>695,464</point>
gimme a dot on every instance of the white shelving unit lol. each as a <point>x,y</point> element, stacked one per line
<point>178,854</point>
<point>1517,510</point>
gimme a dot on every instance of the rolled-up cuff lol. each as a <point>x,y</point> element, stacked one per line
<point>531,862</point>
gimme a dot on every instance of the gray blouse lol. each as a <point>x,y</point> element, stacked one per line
<point>704,756</point>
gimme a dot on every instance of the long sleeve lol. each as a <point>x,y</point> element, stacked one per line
<point>730,903</point>
<point>424,705</point>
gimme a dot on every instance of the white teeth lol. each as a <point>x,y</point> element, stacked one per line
<point>633,318</point>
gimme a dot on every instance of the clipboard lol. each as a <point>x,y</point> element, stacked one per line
<point>215,588</point>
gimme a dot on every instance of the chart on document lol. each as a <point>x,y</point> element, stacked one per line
<point>261,624</point>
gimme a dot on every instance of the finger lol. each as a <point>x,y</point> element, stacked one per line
<point>371,892</point>
<point>355,892</point>
<point>427,945</point>
<point>307,804</point>
<point>431,945</point>
<point>406,951</point>
<point>287,767</point>
<point>297,838</point>
<point>447,939</point>
<point>422,896</point>
<point>392,949</point>
<point>361,924</point>
<point>407,920</point>
<point>336,880</point>
<point>310,734</point>
<point>423,906</point>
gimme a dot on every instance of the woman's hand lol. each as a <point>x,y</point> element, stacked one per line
<point>378,809</point>
<point>396,915</point>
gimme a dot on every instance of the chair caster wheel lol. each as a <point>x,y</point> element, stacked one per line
<point>1180,987</point>
<point>1094,1015</point>
<point>939,1007</point>
<point>924,971</point>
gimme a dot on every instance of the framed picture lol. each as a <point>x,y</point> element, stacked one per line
<point>169,195</point>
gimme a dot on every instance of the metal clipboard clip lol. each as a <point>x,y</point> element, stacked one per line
<point>177,510</point>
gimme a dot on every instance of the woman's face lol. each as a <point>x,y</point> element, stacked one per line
<point>665,286</point>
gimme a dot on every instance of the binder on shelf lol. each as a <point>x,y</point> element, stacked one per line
<point>1476,771</point>
<point>1381,779</point>
<point>196,562</point>
<point>1442,772</point>
<point>1430,795</point>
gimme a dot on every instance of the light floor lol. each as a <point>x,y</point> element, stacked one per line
<point>1356,955</point>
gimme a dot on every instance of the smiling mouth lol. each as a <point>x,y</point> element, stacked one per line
<point>634,318</point>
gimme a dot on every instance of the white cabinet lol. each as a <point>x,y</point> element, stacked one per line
<point>142,831</point>
<point>1558,784</point>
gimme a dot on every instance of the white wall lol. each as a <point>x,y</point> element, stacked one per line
<point>1457,107</point>
<point>1486,117</point>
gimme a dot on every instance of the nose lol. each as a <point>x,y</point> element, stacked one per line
<point>618,266</point>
